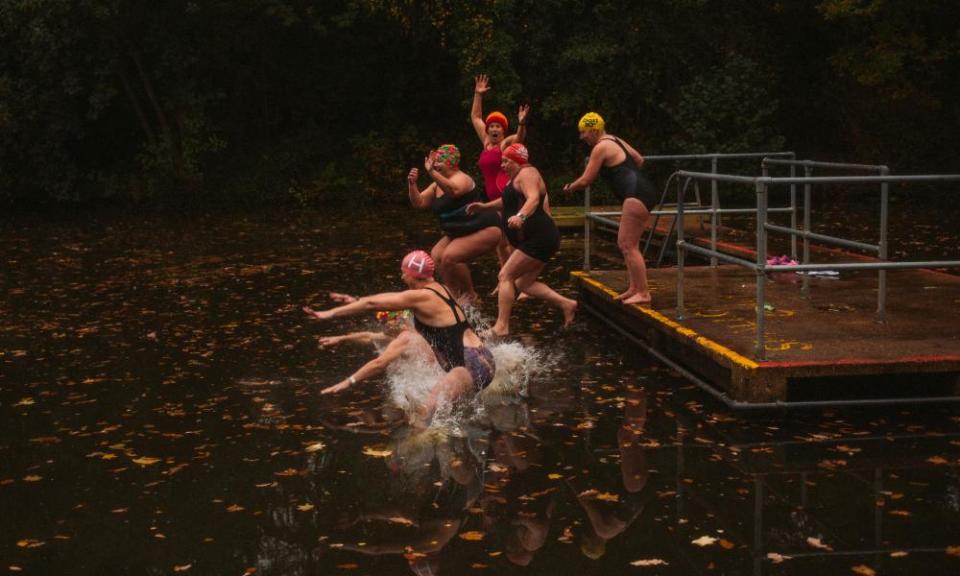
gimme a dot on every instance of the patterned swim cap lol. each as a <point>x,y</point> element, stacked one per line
<point>418,264</point>
<point>499,118</point>
<point>518,153</point>
<point>448,154</point>
<point>590,121</point>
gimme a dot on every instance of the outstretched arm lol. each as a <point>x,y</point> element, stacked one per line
<point>358,337</point>
<point>480,87</point>
<point>383,301</point>
<point>375,366</point>
<point>590,172</point>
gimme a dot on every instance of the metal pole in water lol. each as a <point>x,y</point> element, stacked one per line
<point>586,229</point>
<point>793,212</point>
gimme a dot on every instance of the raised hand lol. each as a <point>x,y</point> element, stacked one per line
<point>481,84</point>
<point>412,176</point>
<point>327,341</point>
<point>522,113</point>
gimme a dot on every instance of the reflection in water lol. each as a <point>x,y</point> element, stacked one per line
<point>159,413</point>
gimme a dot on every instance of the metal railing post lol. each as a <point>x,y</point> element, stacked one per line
<point>882,277</point>
<point>586,229</point>
<point>680,249</point>
<point>714,206</point>
<point>793,213</point>
<point>805,284</point>
<point>761,187</point>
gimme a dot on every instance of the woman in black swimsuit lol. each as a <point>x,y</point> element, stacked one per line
<point>619,164</point>
<point>531,232</point>
<point>465,236</point>
<point>469,366</point>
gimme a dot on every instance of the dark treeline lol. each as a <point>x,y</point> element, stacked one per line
<point>303,101</point>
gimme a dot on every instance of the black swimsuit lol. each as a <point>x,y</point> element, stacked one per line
<point>454,220</point>
<point>627,181</point>
<point>448,347</point>
<point>539,237</point>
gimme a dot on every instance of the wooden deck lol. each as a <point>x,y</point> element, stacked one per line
<point>826,345</point>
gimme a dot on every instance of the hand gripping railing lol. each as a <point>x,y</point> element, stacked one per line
<point>715,211</point>
<point>760,267</point>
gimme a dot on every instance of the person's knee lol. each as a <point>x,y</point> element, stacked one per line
<point>628,246</point>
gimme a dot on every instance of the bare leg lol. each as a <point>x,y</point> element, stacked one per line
<point>437,254</point>
<point>453,385</point>
<point>459,252</point>
<point>632,223</point>
<point>529,284</point>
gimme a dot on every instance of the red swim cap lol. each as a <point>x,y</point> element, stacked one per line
<point>518,153</point>
<point>499,118</point>
<point>418,264</point>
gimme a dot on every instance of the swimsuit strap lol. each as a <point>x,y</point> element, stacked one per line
<point>619,143</point>
<point>449,300</point>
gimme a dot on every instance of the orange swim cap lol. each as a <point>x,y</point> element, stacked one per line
<point>499,118</point>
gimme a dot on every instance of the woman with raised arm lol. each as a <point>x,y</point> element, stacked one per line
<point>469,366</point>
<point>533,235</point>
<point>465,236</point>
<point>492,132</point>
<point>619,164</point>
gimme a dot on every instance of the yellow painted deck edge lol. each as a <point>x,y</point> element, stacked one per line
<point>707,343</point>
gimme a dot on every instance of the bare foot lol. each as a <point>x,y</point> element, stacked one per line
<point>639,299</point>
<point>523,296</point>
<point>624,295</point>
<point>569,311</point>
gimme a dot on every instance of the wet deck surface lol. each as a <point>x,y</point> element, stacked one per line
<point>836,322</point>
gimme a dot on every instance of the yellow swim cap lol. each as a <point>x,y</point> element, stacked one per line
<point>591,121</point>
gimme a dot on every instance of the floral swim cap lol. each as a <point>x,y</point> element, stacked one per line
<point>448,154</point>
<point>590,121</point>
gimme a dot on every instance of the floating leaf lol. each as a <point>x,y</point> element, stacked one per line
<point>777,558</point>
<point>377,452</point>
<point>863,570</point>
<point>305,507</point>
<point>899,513</point>
<point>30,543</point>
<point>400,520</point>
<point>472,536</point>
<point>315,447</point>
<point>607,497</point>
<point>726,544</point>
<point>234,508</point>
<point>938,460</point>
<point>182,568</point>
<point>650,562</point>
<point>25,402</point>
<point>145,461</point>
<point>32,478</point>
<point>348,566</point>
<point>816,543</point>
<point>953,550</point>
<point>704,541</point>
<point>287,472</point>
<point>899,554</point>
<point>554,476</point>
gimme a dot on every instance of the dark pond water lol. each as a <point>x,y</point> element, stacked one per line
<point>159,414</point>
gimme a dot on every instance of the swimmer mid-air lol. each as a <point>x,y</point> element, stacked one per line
<point>468,365</point>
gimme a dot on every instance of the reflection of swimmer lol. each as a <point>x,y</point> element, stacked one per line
<point>439,319</point>
<point>465,236</point>
<point>434,479</point>
<point>532,233</point>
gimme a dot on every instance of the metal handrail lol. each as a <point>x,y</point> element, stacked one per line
<point>760,267</point>
<point>715,211</point>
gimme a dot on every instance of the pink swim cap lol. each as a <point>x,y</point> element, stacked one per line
<point>518,153</point>
<point>418,264</point>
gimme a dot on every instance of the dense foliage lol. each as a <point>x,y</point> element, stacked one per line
<point>248,101</point>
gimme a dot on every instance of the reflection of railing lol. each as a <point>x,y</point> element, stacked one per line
<point>715,211</point>
<point>760,267</point>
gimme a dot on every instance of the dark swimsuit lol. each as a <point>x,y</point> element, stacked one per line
<point>454,220</point>
<point>627,181</point>
<point>448,347</point>
<point>539,237</point>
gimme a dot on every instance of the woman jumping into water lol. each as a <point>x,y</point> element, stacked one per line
<point>531,232</point>
<point>465,236</point>
<point>619,163</point>
<point>439,319</point>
